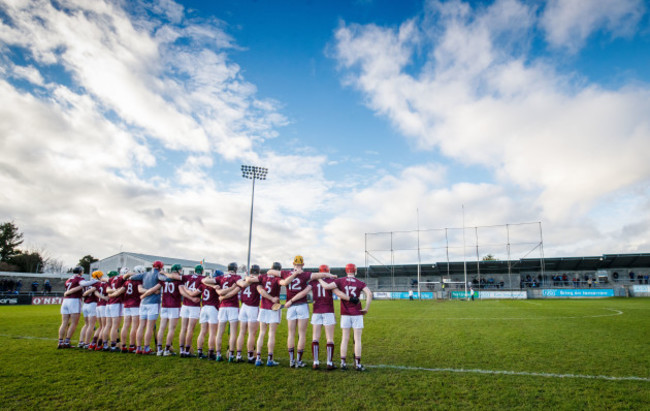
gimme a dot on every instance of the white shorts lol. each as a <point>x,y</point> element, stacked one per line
<point>132,312</point>
<point>114,310</point>
<point>323,319</point>
<point>269,316</point>
<point>90,310</point>
<point>170,313</point>
<point>71,306</point>
<point>149,311</point>
<point>248,314</point>
<point>298,312</point>
<point>190,312</point>
<point>101,311</point>
<point>209,314</point>
<point>352,321</point>
<point>228,314</point>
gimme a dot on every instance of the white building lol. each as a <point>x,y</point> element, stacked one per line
<point>126,259</point>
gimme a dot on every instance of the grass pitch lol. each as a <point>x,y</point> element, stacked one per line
<point>556,354</point>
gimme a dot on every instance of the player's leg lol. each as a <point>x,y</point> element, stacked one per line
<point>124,332</point>
<point>213,328</point>
<point>106,330</point>
<point>200,339</point>
<point>291,340</point>
<point>170,336</point>
<point>149,327</point>
<point>273,328</point>
<point>65,319</point>
<point>161,332</point>
<point>182,333</point>
<point>302,338</point>
<point>135,326</point>
<point>189,335</point>
<point>315,337</point>
<point>219,337</point>
<point>357,348</point>
<point>260,343</point>
<point>232,340</point>
<point>329,335</point>
<point>345,338</point>
<point>252,332</point>
<point>241,335</point>
<point>82,333</point>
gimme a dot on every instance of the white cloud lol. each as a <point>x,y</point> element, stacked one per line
<point>569,23</point>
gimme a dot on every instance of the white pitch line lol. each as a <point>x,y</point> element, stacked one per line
<point>616,312</point>
<point>28,337</point>
<point>516,373</point>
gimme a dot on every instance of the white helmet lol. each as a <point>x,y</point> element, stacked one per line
<point>124,270</point>
<point>139,269</point>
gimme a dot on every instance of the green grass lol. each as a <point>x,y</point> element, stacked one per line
<point>578,337</point>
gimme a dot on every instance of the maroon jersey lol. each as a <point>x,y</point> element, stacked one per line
<point>131,294</point>
<point>116,283</point>
<point>297,285</point>
<point>209,295</point>
<point>271,285</point>
<point>101,290</point>
<point>250,295</point>
<point>90,298</point>
<point>323,300</point>
<point>227,281</point>
<point>191,282</point>
<point>73,282</point>
<point>352,288</point>
<point>170,293</point>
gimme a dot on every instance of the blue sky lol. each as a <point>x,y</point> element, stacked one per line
<point>124,125</point>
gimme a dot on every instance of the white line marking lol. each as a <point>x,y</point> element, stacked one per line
<point>517,373</point>
<point>616,312</point>
<point>28,337</point>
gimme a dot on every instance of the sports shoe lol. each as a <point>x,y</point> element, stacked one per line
<point>92,346</point>
<point>60,346</point>
<point>106,348</point>
<point>80,345</point>
<point>360,367</point>
<point>258,363</point>
<point>115,349</point>
<point>148,352</point>
<point>272,363</point>
<point>292,364</point>
<point>300,364</point>
<point>331,367</point>
<point>231,358</point>
<point>182,354</point>
<point>139,352</point>
<point>315,366</point>
<point>344,366</point>
<point>202,356</point>
<point>251,360</point>
<point>239,359</point>
<point>212,357</point>
<point>131,349</point>
<point>190,355</point>
<point>98,348</point>
<point>125,350</point>
<point>159,353</point>
<point>218,358</point>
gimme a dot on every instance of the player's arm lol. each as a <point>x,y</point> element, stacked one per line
<point>266,295</point>
<point>286,281</point>
<point>233,292</point>
<point>274,273</point>
<point>186,293</point>
<point>98,295</point>
<point>368,294</point>
<point>89,291</point>
<point>119,292</point>
<point>226,291</point>
<point>86,283</point>
<point>208,281</point>
<point>189,292</point>
<point>150,291</point>
<point>73,290</point>
<point>298,296</point>
<point>318,276</point>
<point>343,296</point>
<point>327,286</point>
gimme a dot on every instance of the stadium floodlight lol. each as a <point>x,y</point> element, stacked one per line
<point>252,173</point>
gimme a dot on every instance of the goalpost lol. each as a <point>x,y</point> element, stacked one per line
<point>387,252</point>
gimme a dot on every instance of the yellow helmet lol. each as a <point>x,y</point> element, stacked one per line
<point>97,274</point>
<point>297,260</point>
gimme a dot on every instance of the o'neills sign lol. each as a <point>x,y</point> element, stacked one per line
<point>46,300</point>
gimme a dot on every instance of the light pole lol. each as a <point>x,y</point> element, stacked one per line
<point>252,173</point>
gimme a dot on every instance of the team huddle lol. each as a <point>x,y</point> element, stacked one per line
<point>130,302</point>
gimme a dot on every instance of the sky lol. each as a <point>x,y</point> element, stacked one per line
<point>124,125</point>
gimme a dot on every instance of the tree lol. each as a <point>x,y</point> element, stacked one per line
<point>489,257</point>
<point>53,265</point>
<point>29,262</point>
<point>10,238</point>
<point>86,261</point>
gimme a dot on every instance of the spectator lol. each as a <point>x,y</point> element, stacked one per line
<point>411,295</point>
<point>47,286</point>
<point>615,276</point>
<point>471,293</point>
<point>631,276</point>
<point>35,286</point>
<point>19,285</point>
<point>589,282</point>
<point>646,278</point>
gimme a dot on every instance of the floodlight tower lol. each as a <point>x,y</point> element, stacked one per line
<point>252,173</point>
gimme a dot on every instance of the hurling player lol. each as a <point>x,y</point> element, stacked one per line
<point>209,317</point>
<point>131,303</point>
<point>323,317</point>
<point>71,306</point>
<point>191,309</point>
<point>228,308</point>
<point>269,288</point>
<point>248,313</point>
